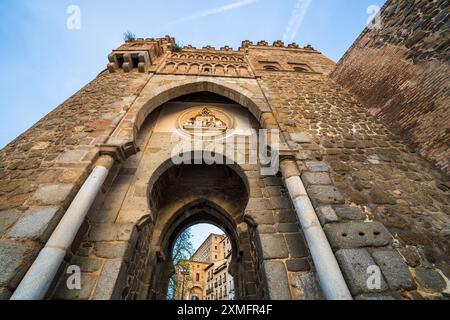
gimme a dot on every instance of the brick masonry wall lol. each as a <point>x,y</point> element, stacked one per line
<point>361,177</point>
<point>401,74</point>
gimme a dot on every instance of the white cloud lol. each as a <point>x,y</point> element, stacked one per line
<point>297,17</point>
<point>209,12</point>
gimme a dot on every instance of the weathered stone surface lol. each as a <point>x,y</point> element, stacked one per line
<point>85,249</point>
<point>88,282</point>
<point>36,224</point>
<point>53,194</point>
<point>357,234</point>
<point>72,156</point>
<point>273,191</point>
<point>411,256</point>
<point>355,265</point>
<point>266,228</point>
<point>298,265</point>
<point>307,286</point>
<point>380,196</point>
<point>273,246</point>
<point>111,275</point>
<point>277,280</point>
<point>7,219</point>
<point>317,166</point>
<point>296,245</point>
<point>111,232</point>
<point>262,217</point>
<point>88,265</point>
<point>287,227</point>
<point>316,178</point>
<point>258,204</point>
<point>5,294</point>
<point>272,181</point>
<point>340,166</point>
<point>286,216</point>
<point>348,213</point>
<point>394,269</point>
<point>15,259</point>
<point>430,279</point>
<point>112,250</point>
<point>327,215</point>
<point>325,195</point>
<point>301,137</point>
<point>280,203</point>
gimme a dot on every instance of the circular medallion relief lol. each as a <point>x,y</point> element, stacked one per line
<point>205,121</point>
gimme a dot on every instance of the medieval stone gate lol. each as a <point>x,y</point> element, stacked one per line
<point>151,200</point>
<point>94,185</point>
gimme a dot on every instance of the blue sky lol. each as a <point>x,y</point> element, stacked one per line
<point>42,62</point>
<point>200,232</point>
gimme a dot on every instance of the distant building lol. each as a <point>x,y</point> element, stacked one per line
<point>210,250</point>
<point>191,278</point>
<point>206,276</point>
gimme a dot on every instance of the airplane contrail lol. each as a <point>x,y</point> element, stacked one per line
<point>209,12</point>
<point>297,17</point>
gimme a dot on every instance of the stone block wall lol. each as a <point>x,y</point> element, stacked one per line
<point>400,72</point>
<point>378,200</point>
<point>41,171</point>
<point>280,255</point>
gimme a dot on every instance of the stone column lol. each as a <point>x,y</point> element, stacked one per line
<point>332,281</point>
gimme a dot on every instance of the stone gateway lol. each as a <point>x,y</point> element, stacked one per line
<point>93,183</point>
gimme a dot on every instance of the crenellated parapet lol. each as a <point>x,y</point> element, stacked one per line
<point>209,48</point>
<point>276,44</point>
<point>164,56</point>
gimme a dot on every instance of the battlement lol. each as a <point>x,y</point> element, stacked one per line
<point>209,49</point>
<point>247,44</point>
<point>275,44</point>
<point>142,53</point>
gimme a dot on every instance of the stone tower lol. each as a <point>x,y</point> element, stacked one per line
<point>94,184</point>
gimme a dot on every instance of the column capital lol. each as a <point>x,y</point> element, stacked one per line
<point>286,154</point>
<point>120,152</point>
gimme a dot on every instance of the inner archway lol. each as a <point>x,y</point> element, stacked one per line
<point>213,194</point>
<point>165,197</point>
<point>152,198</point>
